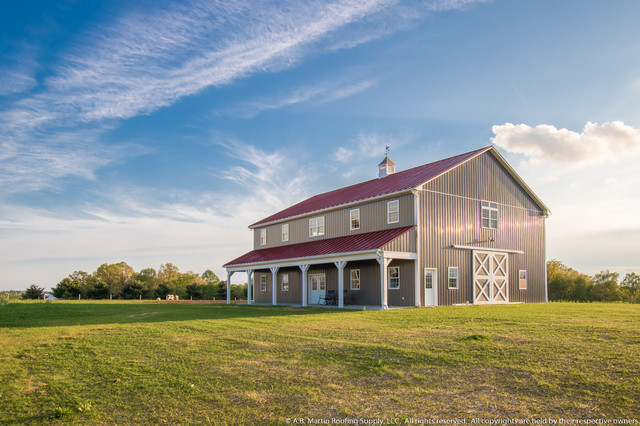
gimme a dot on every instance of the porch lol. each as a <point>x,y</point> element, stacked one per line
<point>361,270</point>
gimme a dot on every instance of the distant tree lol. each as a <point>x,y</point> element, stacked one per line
<point>631,280</point>
<point>566,283</point>
<point>68,288</point>
<point>132,290</point>
<point>195,291</point>
<point>98,290</point>
<point>168,272</point>
<point>210,277</point>
<point>605,287</point>
<point>163,289</point>
<point>239,291</point>
<point>33,292</point>
<point>114,276</point>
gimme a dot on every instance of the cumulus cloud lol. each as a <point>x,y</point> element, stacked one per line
<point>547,143</point>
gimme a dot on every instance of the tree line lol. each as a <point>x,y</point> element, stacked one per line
<point>567,284</point>
<point>121,281</point>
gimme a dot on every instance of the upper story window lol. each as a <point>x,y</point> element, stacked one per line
<point>263,236</point>
<point>355,279</point>
<point>453,277</point>
<point>393,211</point>
<point>489,215</point>
<point>522,279</point>
<point>354,216</point>
<point>316,226</point>
<point>394,277</point>
<point>285,232</point>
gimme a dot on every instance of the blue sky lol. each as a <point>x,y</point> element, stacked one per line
<point>155,132</point>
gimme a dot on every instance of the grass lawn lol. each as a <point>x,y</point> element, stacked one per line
<point>153,362</point>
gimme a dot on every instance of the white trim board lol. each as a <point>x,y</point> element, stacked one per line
<point>500,250</point>
<point>330,258</point>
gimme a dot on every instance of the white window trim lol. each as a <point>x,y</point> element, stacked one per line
<point>351,279</point>
<point>285,226</point>
<point>491,207</point>
<point>316,227</point>
<point>389,278</point>
<point>283,281</point>
<point>525,279</point>
<point>263,237</point>
<point>265,283</point>
<point>351,219</point>
<point>389,204</point>
<point>449,277</point>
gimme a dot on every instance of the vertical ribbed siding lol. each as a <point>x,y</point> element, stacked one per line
<point>404,243</point>
<point>373,217</point>
<point>262,296</point>
<point>294,295</point>
<point>403,296</point>
<point>447,220</point>
<point>369,293</point>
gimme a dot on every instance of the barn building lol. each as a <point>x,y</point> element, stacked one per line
<point>465,229</point>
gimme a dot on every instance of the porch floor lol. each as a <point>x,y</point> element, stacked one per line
<point>354,307</point>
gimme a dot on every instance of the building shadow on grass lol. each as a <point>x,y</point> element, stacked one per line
<point>74,313</point>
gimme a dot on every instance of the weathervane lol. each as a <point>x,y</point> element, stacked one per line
<point>386,150</point>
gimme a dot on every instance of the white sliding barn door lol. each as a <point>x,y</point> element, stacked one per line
<point>490,277</point>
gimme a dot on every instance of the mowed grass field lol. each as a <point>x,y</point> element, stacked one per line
<point>153,362</point>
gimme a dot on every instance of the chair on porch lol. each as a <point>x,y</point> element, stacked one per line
<point>330,298</point>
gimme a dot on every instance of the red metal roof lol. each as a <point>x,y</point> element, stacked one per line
<point>348,244</point>
<point>398,181</point>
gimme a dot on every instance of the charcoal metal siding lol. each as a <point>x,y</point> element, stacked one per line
<point>404,243</point>
<point>294,295</point>
<point>450,213</point>
<point>373,217</point>
<point>369,293</point>
<point>404,295</point>
<point>261,296</point>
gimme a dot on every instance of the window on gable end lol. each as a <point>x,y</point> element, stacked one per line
<point>489,215</point>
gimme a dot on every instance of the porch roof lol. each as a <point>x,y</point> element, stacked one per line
<point>326,247</point>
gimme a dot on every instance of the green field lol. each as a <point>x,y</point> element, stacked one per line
<point>153,362</point>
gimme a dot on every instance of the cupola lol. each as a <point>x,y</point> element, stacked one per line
<point>386,167</point>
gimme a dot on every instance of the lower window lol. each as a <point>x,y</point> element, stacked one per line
<point>453,277</point>
<point>285,282</point>
<point>263,283</point>
<point>394,277</point>
<point>355,279</point>
<point>522,279</point>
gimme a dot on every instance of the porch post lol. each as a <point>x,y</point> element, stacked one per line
<point>304,269</point>
<point>340,265</point>
<point>274,285</point>
<point>384,278</point>
<point>249,286</point>
<point>229,273</point>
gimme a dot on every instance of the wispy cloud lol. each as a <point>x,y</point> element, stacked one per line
<point>320,93</point>
<point>145,60</point>
<point>365,145</point>
<point>195,230</point>
<point>547,143</point>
